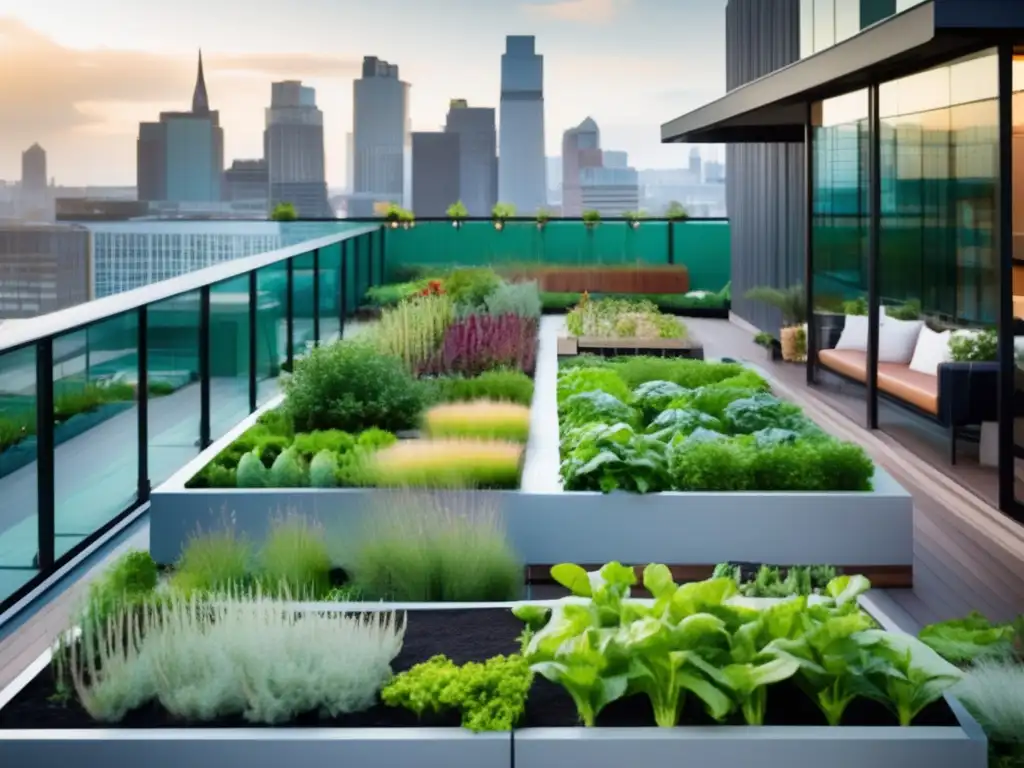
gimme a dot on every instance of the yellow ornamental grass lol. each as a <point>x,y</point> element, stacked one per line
<point>482,419</point>
<point>447,464</point>
<point>414,329</point>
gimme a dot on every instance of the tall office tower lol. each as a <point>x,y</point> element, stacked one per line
<point>247,182</point>
<point>33,173</point>
<point>581,148</point>
<point>435,172</point>
<point>181,158</point>
<point>695,165</point>
<point>521,163</point>
<point>478,159</point>
<point>380,137</point>
<point>350,163</point>
<point>293,145</point>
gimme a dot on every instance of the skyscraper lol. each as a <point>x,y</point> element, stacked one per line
<point>380,137</point>
<point>435,172</point>
<point>33,173</point>
<point>181,157</point>
<point>478,161</point>
<point>581,148</point>
<point>521,163</point>
<point>293,145</point>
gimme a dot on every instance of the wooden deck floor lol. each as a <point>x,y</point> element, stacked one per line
<point>967,555</point>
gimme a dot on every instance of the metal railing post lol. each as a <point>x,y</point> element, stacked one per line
<point>316,297</point>
<point>45,463</point>
<point>289,311</point>
<point>253,319</point>
<point>204,367</point>
<point>142,399</point>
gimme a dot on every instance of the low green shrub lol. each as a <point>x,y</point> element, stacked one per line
<point>505,385</point>
<point>131,579</point>
<point>521,299</point>
<point>294,561</point>
<point>578,380</point>
<point>435,547</point>
<point>689,374</point>
<point>471,286</point>
<point>214,562</point>
<point>350,385</point>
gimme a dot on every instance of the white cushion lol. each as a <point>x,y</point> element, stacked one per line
<point>897,340</point>
<point>855,334</point>
<point>931,350</point>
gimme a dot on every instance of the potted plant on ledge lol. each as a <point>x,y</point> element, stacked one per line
<point>543,217</point>
<point>633,218</point>
<point>792,303</point>
<point>284,212</point>
<point>457,213</point>
<point>399,217</point>
<point>676,212</point>
<point>591,219</point>
<point>500,213</point>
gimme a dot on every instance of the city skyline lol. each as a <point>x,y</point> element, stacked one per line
<point>92,84</point>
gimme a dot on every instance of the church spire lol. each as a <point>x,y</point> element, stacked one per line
<point>200,101</point>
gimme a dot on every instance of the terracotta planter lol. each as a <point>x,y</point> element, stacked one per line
<point>793,351</point>
<point>668,279</point>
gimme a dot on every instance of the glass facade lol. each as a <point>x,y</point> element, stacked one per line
<point>824,23</point>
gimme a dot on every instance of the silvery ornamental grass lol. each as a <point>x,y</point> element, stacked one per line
<point>237,654</point>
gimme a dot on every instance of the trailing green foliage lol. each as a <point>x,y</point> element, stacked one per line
<point>601,645</point>
<point>490,696</point>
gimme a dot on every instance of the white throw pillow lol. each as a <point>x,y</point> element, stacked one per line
<point>897,340</point>
<point>931,350</point>
<point>855,334</point>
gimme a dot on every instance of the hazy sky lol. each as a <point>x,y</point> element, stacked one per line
<point>78,76</point>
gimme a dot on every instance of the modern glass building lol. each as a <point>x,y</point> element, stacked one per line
<point>909,118</point>
<point>522,166</point>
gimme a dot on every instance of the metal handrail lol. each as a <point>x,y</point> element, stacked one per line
<point>54,324</point>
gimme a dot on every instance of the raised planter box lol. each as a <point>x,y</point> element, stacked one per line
<point>843,529</point>
<point>960,744</point>
<point>596,345</point>
<point>24,453</point>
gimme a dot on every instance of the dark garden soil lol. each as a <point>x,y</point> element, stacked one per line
<point>462,635</point>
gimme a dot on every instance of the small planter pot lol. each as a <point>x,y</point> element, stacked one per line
<point>791,347</point>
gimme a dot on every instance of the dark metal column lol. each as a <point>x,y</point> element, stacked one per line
<point>316,297</point>
<point>1004,253</point>
<point>874,237</point>
<point>382,259</point>
<point>45,464</point>
<point>812,324</point>
<point>204,367</point>
<point>369,260</point>
<point>142,398</point>
<point>343,290</point>
<point>355,270</point>
<point>289,311</point>
<point>253,315</point>
<point>671,242</point>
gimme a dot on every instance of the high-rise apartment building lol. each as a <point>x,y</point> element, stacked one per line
<point>181,158</point>
<point>43,268</point>
<point>609,191</point>
<point>34,200</point>
<point>581,148</point>
<point>435,172</point>
<point>521,160</point>
<point>293,145</point>
<point>246,182</point>
<point>478,160</point>
<point>380,137</point>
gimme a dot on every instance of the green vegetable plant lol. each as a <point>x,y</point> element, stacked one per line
<point>974,347</point>
<point>501,213</point>
<point>614,457</point>
<point>490,696</point>
<point>701,639</point>
<point>964,640</point>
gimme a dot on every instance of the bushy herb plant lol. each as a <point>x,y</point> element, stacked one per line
<point>491,696</point>
<point>500,385</point>
<point>520,298</point>
<point>351,386</point>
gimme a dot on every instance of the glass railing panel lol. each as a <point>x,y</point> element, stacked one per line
<point>96,427</point>
<point>271,328</point>
<point>303,307</point>
<point>172,337</point>
<point>229,354</point>
<point>703,247</point>
<point>329,303</point>
<point>19,519</point>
